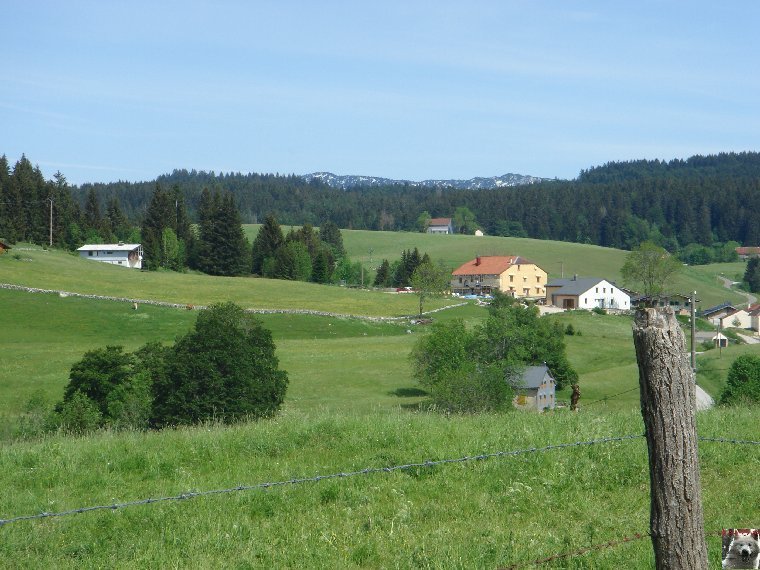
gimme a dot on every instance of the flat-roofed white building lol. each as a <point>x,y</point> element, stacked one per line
<point>124,254</point>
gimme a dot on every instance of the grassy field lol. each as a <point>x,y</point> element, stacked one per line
<point>58,270</point>
<point>556,258</point>
<point>471,514</point>
<point>351,404</point>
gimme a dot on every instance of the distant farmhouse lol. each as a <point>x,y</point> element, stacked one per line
<point>747,252</point>
<point>718,312</point>
<point>125,254</point>
<point>586,293</point>
<point>440,226</point>
<point>4,247</point>
<point>510,274</point>
<point>748,318</point>
<point>681,304</point>
<point>536,389</point>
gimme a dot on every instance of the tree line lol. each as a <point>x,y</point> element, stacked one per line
<point>705,201</point>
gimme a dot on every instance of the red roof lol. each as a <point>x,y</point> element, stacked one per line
<point>489,265</point>
<point>748,250</point>
<point>439,221</point>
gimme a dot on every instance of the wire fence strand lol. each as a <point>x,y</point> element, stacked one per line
<point>316,478</point>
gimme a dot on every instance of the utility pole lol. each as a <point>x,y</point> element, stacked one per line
<point>51,200</point>
<point>693,302</point>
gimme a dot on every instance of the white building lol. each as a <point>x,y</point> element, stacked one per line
<point>126,254</point>
<point>586,293</point>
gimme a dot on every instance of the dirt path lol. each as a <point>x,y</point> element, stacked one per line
<point>728,284</point>
<point>704,400</point>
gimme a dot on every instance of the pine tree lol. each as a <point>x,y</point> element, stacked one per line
<point>383,277</point>
<point>157,218</point>
<point>223,240</point>
<point>267,242</point>
<point>752,274</point>
<point>92,218</point>
<point>329,234</point>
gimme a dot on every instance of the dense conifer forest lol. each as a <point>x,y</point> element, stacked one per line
<point>703,202</point>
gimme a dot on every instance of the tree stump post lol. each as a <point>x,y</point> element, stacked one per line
<point>668,398</point>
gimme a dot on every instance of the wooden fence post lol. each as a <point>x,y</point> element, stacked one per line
<point>668,398</point>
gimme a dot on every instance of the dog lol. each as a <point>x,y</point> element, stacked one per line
<point>741,548</point>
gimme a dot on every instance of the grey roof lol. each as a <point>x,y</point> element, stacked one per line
<point>533,376</point>
<point>576,286</point>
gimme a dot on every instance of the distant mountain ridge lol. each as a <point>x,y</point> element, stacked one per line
<point>479,183</point>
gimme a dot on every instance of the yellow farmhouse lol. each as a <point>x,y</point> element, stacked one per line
<point>510,274</point>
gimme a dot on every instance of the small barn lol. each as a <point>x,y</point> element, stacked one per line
<point>440,226</point>
<point>4,247</point>
<point>536,389</point>
<point>720,340</point>
<point>124,254</point>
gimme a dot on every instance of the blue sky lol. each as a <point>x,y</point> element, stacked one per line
<point>107,91</point>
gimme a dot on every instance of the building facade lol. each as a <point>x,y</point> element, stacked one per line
<point>124,254</point>
<point>510,274</point>
<point>586,293</point>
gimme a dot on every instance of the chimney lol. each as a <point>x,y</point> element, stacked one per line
<point>477,260</point>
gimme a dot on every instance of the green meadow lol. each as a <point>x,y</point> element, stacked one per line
<point>554,257</point>
<point>351,405</point>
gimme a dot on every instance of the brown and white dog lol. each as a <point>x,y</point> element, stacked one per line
<point>741,548</point>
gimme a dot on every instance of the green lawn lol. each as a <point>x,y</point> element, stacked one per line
<point>470,514</point>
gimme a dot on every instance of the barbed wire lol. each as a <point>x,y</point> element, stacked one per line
<point>579,552</point>
<point>610,397</point>
<point>316,478</point>
<point>587,549</point>
<point>727,440</point>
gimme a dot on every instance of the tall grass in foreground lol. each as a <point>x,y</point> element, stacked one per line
<point>474,514</point>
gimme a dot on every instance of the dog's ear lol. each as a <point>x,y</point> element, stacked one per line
<point>755,533</point>
<point>727,539</point>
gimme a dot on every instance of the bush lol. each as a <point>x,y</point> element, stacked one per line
<point>78,414</point>
<point>472,389</point>
<point>743,384</point>
<point>225,369</point>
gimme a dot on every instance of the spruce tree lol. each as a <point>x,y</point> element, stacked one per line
<point>157,218</point>
<point>383,277</point>
<point>267,242</point>
<point>329,234</point>
<point>752,274</point>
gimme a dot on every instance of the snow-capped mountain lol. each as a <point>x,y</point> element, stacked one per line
<point>353,181</point>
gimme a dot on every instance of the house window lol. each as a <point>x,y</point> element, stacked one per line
<point>538,279</point>
<point>604,289</point>
<point>460,279</point>
<point>526,292</point>
<point>597,289</point>
<point>109,253</point>
<point>511,278</point>
<point>90,253</point>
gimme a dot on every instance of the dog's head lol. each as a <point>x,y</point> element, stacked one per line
<point>740,546</point>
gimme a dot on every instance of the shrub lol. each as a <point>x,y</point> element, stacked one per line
<point>77,414</point>
<point>224,369</point>
<point>743,384</point>
<point>472,389</point>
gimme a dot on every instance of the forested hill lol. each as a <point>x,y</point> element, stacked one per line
<point>702,200</point>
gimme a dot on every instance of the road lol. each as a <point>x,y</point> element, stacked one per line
<point>728,284</point>
<point>704,400</point>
